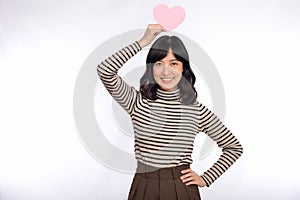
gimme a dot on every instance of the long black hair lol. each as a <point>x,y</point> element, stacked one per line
<point>159,50</point>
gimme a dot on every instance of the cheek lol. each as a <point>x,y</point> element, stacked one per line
<point>179,77</point>
<point>179,70</point>
<point>156,72</point>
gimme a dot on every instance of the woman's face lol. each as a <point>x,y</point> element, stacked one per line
<point>168,72</point>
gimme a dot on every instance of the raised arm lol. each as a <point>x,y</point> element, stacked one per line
<point>108,69</point>
<point>231,147</point>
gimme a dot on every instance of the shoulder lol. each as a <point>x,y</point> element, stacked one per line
<point>201,108</point>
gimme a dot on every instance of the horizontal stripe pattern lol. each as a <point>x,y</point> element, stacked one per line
<point>107,70</point>
<point>164,128</point>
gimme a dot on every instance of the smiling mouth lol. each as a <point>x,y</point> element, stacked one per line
<point>167,80</point>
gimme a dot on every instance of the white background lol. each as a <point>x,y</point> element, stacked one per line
<point>254,44</point>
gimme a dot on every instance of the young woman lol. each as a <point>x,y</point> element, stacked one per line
<point>166,117</point>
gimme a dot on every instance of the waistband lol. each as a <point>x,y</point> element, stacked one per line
<point>160,173</point>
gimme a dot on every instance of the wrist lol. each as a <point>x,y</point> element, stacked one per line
<point>142,43</point>
<point>205,183</point>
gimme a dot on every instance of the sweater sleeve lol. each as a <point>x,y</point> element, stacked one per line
<point>108,69</point>
<point>211,125</point>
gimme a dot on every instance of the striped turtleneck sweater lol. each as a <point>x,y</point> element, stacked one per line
<point>165,129</point>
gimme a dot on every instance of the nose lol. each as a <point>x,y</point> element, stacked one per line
<point>166,70</point>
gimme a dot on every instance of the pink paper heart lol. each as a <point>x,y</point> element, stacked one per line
<point>168,18</point>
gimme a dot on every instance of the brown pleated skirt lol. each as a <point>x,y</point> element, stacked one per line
<point>161,184</point>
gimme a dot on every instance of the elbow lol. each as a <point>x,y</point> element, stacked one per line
<point>236,150</point>
<point>100,71</point>
<point>240,150</point>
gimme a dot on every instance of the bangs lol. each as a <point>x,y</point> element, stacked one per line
<point>160,49</point>
<point>156,55</point>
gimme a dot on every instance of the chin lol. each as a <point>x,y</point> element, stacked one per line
<point>165,88</point>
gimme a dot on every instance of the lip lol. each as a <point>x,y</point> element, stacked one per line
<point>167,79</point>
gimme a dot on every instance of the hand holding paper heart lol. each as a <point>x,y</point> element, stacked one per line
<point>151,32</point>
<point>169,18</point>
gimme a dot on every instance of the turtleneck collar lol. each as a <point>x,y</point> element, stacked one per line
<point>168,95</point>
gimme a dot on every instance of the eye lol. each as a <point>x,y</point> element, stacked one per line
<point>158,64</point>
<point>174,63</point>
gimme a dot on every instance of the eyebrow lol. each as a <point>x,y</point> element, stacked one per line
<point>170,60</point>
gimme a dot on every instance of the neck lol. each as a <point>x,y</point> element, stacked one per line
<point>168,94</point>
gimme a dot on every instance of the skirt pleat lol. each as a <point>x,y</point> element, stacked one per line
<point>152,189</point>
<point>167,189</point>
<point>181,190</point>
<point>137,188</point>
<point>133,188</point>
<point>162,184</point>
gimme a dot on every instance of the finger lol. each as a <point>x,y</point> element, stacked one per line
<point>191,182</point>
<point>186,170</point>
<point>159,27</point>
<point>188,179</point>
<point>163,28</point>
<point>188,175</point>
<point>158,30</point>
